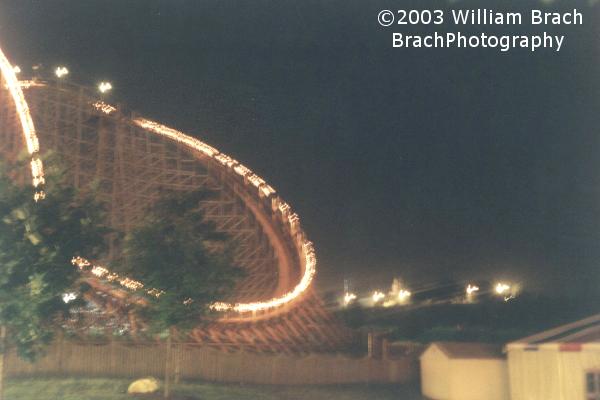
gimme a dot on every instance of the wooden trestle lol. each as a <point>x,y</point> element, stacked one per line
<point>132,164</point>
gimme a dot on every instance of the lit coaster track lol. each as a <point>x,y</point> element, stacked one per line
<point>134,159</point>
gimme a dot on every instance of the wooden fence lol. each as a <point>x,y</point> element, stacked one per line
<point>191,361</point>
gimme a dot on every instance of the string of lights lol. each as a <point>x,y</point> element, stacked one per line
<point>33,146</point>
<point>400,296</point>
<point>266,190</point>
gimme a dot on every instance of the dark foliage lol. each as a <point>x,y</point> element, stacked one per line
<point>37,242</point>
<point>177,251</point>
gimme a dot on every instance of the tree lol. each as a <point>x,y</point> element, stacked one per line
<point>38,239</point>
<point>176,250</point>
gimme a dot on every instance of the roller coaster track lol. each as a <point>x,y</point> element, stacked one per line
<point>134,159</point>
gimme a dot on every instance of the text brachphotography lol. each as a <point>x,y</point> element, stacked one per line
<point>503,43</point>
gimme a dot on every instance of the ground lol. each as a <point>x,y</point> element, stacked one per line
<point>115,389</point>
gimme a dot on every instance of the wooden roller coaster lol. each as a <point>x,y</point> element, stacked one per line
<point>133,159</point>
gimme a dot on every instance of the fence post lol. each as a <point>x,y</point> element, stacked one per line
<point>178,353</point>
<point>59,348</point>
<point>167,391</point>
<point>113,357</point>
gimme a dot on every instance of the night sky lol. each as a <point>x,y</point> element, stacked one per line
<point>425,164</point>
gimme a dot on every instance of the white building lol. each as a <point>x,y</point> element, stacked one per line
<point>559,364</point>
<point>464,371</point>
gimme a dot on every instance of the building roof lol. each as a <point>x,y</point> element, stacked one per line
<point>469,350</point>
<point>583,331</point>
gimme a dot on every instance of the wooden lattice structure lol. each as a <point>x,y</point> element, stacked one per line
<point>133,160</point>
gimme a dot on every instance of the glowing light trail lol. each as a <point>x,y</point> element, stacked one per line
<point>176,136</point>
<point>131,284</point>
<point>309,272</point>
<point>105,273</point>
<point>104,107</point>
<point>30,84</point>
<point>31,139</point>
<point>266,190</point>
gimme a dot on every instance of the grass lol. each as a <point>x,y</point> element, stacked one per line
<point>115,389</point>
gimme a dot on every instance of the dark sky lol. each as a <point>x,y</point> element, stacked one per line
<point>428,164</point>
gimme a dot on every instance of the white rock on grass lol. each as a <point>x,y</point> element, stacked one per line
<point>145,385</point>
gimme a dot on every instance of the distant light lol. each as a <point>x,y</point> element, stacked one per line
<point>36,67</point>
<point>68,297</point>
<point>502,288</point>
<point>27,84</point>
<point>17,69</point>
<point>403,295</point>
<point>349,298</point>
<point>471,289</point>
<point>61,71</point>
<point>377,296</point>
<point>104,87</point>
